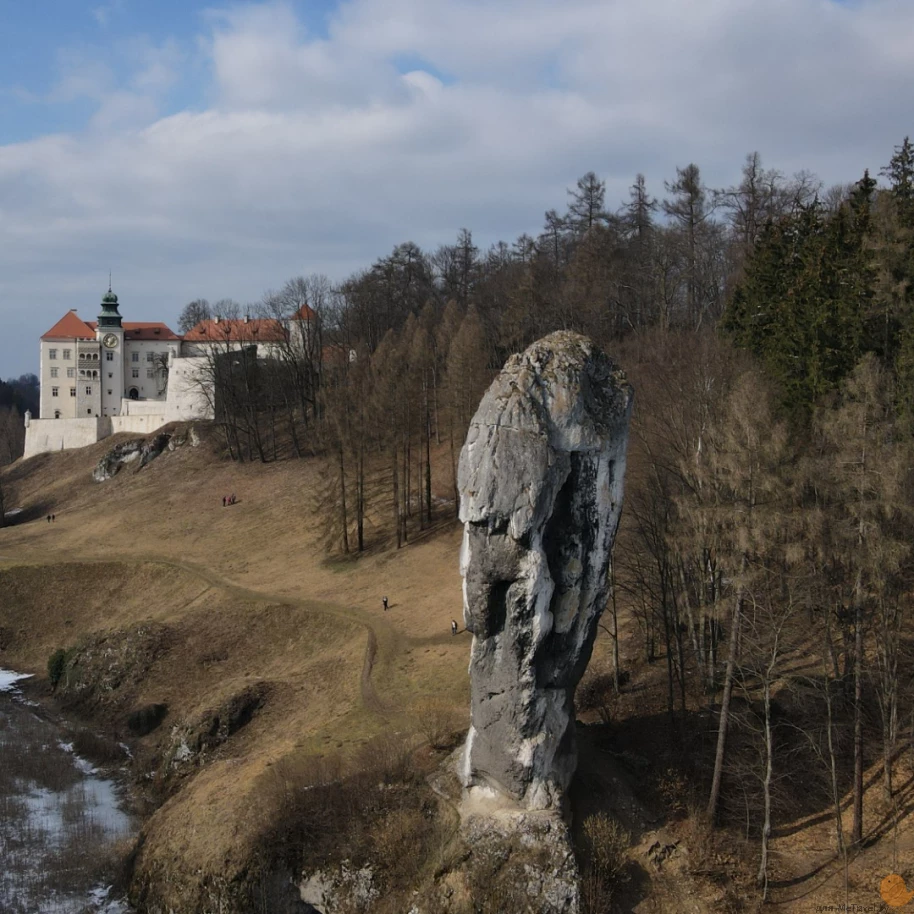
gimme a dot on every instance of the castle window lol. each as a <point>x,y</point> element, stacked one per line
<point>72,391</point>
<point>148,356</point>
<point>89,411</point>
<point>55,391</point>
<point>52,354</point>
<point>109,393</point>
<point>109,356</point>
<point>66,354</point>
<point>56,413</point>
<point>88,390</point>
<point>150,373</point>
<point>134,357</point>
<point>71,372</point>
<point>54,372</point>
<point>135,372</point>
<point>110,375</point>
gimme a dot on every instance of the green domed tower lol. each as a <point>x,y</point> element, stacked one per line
<point>109,316</point>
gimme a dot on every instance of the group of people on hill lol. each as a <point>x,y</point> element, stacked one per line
<point>52,518</point>
<point>228,500</point>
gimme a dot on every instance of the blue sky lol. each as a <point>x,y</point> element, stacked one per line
<point>217,150</point>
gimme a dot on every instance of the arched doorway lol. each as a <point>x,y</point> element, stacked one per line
<point>133,393</point>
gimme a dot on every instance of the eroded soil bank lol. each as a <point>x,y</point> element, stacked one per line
<point>63,829</point>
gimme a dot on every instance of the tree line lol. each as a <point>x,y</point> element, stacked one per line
<point>400,352</point>
<point>17,396</point>
<point>763,551</point>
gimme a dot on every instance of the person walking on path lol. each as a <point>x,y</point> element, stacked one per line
<point>224,500</point>
<point>384,601</point>
<point>49,521</point>
<point>453,626</point>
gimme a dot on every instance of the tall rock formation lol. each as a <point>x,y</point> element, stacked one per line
<point>540,482</point>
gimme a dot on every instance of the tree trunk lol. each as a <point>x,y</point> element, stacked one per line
<point>343,519</point>
<point>724,722</point>
<point>762,878</point>
<point>857,828</point>
<point>360,494</point>
<point>615,623</point>
<point>428,458</point>
<point>395,476</point>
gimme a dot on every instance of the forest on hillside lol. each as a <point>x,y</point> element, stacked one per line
<point>17,396</point>
<point>765,545</point>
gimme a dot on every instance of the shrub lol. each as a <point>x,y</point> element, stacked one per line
<point>57,664</point>
<point>100,749</point>
<point>438,723</point>
<point>606,843</point>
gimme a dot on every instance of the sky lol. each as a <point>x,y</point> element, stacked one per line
<point>215,151</point>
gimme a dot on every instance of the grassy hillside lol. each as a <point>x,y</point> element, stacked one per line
<point>262,657</point>
<point>223,602</point>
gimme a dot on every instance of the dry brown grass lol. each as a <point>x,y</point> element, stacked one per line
<point>242,596</point>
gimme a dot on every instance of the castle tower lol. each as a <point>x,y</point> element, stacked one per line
<point>110,334</point>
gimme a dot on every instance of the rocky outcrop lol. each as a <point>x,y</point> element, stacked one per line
<point>104,672</point>
<point>540,482</point>
<point>130,451</point>
<point>193,740</point>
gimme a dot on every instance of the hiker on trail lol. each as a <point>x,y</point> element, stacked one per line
<point>224,500</point>
<point>49,521</point>
<point>384,601</point>
<point>53,518</point>
<point>453,626</point>
<point>232,500</point>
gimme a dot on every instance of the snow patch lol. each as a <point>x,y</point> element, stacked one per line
<point>8,680</point>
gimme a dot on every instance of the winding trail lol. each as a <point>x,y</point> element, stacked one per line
<point>383,641</point>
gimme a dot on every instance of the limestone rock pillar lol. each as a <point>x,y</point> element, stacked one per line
<point>540,481</point>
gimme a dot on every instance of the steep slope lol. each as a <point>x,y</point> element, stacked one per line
<point>227,617</point>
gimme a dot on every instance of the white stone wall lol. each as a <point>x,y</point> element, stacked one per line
<point>130,407</point>
<point>44,435</point>
<point>137,425</point>
<point>187,391</point>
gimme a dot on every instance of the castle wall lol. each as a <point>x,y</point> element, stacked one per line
<point>189,396</point>
<point>138,425</point>
<point>141,408</point>
<point>44,435</point>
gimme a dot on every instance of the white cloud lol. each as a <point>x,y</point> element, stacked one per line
<point>317,153</point>
<point>104,13</point>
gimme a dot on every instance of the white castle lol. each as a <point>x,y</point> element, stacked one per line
<point>111,375</point>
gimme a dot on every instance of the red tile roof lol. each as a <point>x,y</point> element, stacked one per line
<point>144,330</point>
<point>304,313</point>
<point>70,327</point>
<point>237,331</point>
